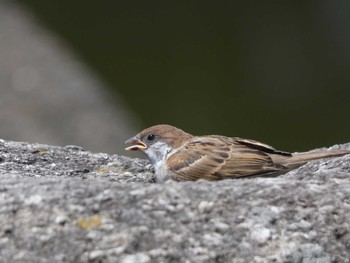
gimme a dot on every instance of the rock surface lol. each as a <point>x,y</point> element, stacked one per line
<point>69,205</point>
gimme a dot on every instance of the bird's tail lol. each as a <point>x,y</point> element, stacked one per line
<point>298,159</point>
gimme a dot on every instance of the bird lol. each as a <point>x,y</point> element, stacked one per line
<point>180,156</point>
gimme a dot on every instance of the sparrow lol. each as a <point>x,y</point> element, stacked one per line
<point>180,156</point>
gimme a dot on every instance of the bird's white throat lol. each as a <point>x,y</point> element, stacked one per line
<point>157,154</point>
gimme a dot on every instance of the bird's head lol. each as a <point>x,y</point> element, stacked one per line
<point>157,141</point>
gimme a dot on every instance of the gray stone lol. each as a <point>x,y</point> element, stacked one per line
<point>69,205</point>
<point>48,95</point>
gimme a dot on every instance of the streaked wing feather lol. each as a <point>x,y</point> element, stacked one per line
<point>217,157</point>
<point>260,146</point>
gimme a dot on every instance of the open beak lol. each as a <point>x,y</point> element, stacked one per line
<point>137,145</point>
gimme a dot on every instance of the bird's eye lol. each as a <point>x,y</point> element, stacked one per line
<point>151,137</point>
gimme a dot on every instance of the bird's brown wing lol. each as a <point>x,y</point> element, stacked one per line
<point>218,157</point>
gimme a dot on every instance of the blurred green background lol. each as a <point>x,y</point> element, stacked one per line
<point>274,71</point>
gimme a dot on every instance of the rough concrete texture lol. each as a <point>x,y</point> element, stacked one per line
<point>48,95</point>
<point>69,205</point>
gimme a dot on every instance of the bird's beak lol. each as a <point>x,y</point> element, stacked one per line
<point>137,144</point>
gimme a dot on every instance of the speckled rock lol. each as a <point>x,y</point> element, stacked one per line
<point>69,205</point>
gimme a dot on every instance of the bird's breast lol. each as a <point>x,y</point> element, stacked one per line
<point>161,171</point>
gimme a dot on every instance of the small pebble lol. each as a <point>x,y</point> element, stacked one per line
<point>205,206</point>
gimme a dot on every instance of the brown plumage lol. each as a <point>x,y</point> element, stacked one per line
<point>181,156</point>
